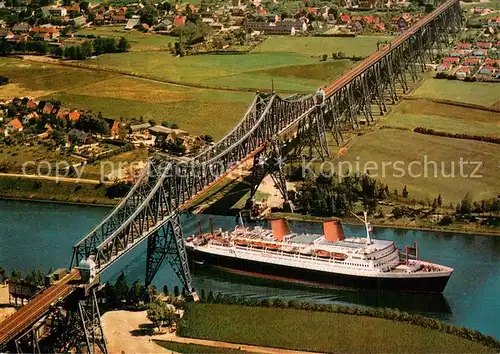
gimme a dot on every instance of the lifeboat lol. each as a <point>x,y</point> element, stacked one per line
<point>272,246</point>
<point>257,244</point>
<point>288,249</point>
<point>241,242</point>
<point>339,256</point>
<point>305,250</point>
<point>189,239</point>
<point>323,253</point>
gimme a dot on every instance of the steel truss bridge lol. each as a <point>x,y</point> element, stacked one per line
<point>151,210</point>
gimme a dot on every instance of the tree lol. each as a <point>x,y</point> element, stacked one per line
<point>439,201</point>
<point>405,193</point>
<point>176,291</point>
<point>135,294</point>
<point>465,206</point>
<point>123,44</point>
<point>152,293</point>
<point>324,57</point>
<point>121,289</point>
<point>84,6</point>
<point>160,314</point>
<point>149,14</point>
<point>165,290</point>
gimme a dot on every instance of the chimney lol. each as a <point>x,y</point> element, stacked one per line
<point>333,231</point>
<point>280,228</point>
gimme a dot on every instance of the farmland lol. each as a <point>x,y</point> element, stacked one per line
<point>445,118</point>
<point>120,96</point>
<point>481,93</point>
<point>407,146</point>
<point>254,71</point>
<point>316,331</point>
<point>138,41</point>
<point>316,46</point>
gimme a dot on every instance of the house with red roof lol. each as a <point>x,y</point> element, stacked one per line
<point>452,60</point>
<point>379,27</point>
<point>480,53</point>
<point>444,66</point>
<point>74,116</point>
<point>14,126</point>
<point>484,45</point>
<point>312,10</point>
<point>47,33</point>
<point>179,21</point>
<point>463,46</point>
<point>31,105</point>
<point>47,109</point>
<point>463,72</point>
<point>470,62</point>
<point>494,22</point>
<point>487,70</point>
<point>344,19</point>
<point>492,62</point>
<point>261,11</point>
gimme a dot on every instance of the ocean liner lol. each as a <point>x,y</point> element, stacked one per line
<point>329,260</point>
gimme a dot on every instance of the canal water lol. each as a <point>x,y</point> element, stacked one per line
<point>41,235</point>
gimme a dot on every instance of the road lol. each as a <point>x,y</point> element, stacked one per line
<point>22,319</point>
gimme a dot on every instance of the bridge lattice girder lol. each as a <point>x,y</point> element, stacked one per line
<point>151,209</point>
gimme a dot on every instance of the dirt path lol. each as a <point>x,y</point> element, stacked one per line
<point>131,332</point>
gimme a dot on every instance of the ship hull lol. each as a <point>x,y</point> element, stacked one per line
<point>434,284</point>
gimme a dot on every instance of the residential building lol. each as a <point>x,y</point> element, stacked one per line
<point>470,62</point>
<point>451,60</point>
<point>463,72</point>
<point>479,53</point>
<point>58,11</point>
<point>21,28</point>
<point>46,33</point>
<point>179,21</point>
<point>78,21</point>
<point>131,23</point>
<point>487,70</point>
<point>74,116</point>
<point>114,127</point>
<point>14,126</point>
<point>484,45</point>
<point>444,67</point>
<point>143,127</point>
<point>463,46</point>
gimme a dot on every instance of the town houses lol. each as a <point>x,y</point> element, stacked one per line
<point>472,61</point>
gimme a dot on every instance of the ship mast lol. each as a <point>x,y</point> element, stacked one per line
<point>367,226</point>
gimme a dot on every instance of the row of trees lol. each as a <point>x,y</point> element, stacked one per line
<point>467,206</point>
<point>334,196</point>
<point>35,277</point>
<point>98,46</point>
<point>391,314</point>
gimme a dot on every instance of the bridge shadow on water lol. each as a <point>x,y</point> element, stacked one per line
<point>435,305</point>
<point>227,197</point>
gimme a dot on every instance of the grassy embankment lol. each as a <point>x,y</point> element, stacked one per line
<point>317,331</point>
<point>81,193</point>
<point>193,348</point>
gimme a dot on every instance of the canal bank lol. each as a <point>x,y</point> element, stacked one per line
<point>38,235</point>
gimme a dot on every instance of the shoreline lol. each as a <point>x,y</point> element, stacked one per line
<point>349,221</point>
<point>56,201</point>
<point>295,217</point>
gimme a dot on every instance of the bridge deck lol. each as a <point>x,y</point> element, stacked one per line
<point>22,319</point>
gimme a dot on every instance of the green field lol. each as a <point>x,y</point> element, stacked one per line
<point>193,348</point>
<point>139,41</point>
<point>391,146</point>
<point>481,93</point>
<point>246,71</point>
<point>444,118</point>
<point>316,331</point>
<point>15,187</point>
<point>120,96</point>
<point>317,46</point>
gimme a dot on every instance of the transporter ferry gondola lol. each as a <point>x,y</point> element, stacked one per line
<point>330,260</point>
